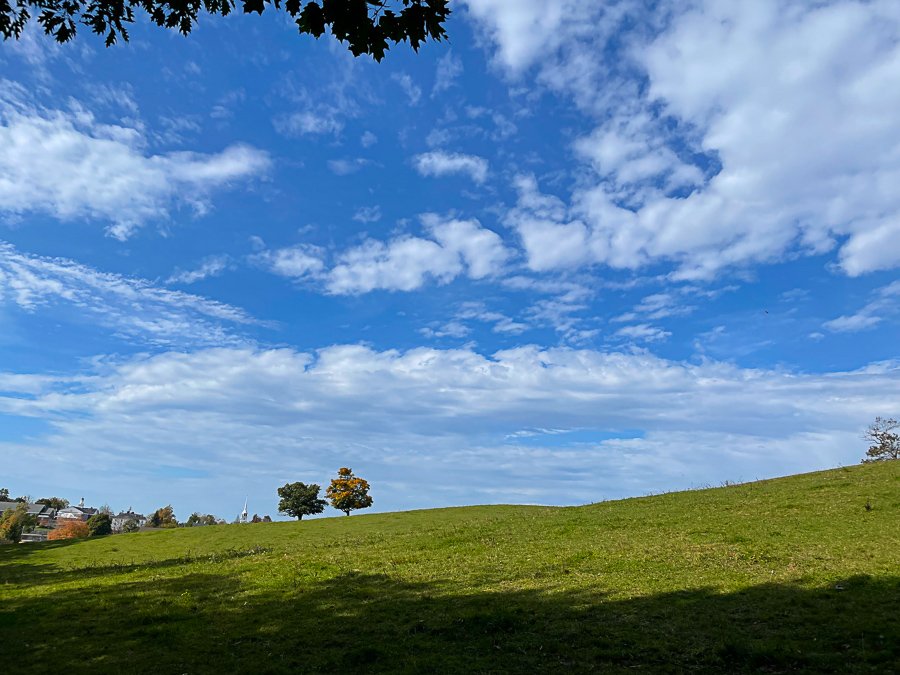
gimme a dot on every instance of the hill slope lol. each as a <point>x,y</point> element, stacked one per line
<point>779,575</point>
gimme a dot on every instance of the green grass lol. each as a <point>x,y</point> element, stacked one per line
<point>792,574</point>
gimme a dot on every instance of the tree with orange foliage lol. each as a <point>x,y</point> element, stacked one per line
<point>70,529</point>
<point>348,492</point>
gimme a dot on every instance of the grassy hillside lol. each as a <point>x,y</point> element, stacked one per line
<point>782,575</point>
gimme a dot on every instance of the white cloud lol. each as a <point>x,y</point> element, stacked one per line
<point>368,139</point>
<point>643,333</point>
<point>212,266</point>
<point>299,261</point>
<point>259,416</point>
<point>345,167</point>
<point>439,163</point>
<point>367,214</point>
<point>454,329</point>
<point>526,31</point>
<point>540,220</point>
<point>563,311</point>
<point>412,91</point>
<point>884,305</point>
<point>502,323</point>
<point>133,308</point>
<point>658,306</point>
<point>405,263</point>
<point>449,68</point>
<point>766,130</point>
<point>68,164</point>
<point>309,123</point>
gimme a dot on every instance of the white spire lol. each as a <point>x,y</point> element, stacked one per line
<point>244,512</point>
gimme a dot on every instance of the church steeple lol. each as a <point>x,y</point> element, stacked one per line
<point>244,512</point>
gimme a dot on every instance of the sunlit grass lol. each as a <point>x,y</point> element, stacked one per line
<point>783,575</point>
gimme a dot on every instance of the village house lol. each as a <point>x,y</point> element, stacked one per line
<point>39,511</point>
<point>80,512</point>
<point>44,515</point>
<point>119,520</point>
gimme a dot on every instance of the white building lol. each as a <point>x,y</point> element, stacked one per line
<point>80,512</point>
<point>119,520</point>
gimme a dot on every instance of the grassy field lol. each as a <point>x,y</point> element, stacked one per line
<point>775,576</point>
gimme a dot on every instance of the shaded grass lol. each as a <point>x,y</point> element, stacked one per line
<point>777,576</point>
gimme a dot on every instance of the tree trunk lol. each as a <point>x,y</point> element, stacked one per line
<point>347,512</point>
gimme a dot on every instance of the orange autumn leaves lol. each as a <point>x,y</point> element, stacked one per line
<point>70,529</point>
<point>348,492</point>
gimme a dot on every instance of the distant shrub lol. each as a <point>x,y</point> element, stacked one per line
<point>99,524</point>
<point>131,525</point>
<point>70,529</point>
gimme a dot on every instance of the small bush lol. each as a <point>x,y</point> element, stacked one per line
<point>70,529</point>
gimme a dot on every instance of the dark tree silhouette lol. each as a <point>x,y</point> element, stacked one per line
<point>366,26</point>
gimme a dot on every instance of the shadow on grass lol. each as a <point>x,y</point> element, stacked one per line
<point>12,572</point>
<point>204,623</point>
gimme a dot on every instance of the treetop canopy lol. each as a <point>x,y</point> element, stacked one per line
<point>367,26</point>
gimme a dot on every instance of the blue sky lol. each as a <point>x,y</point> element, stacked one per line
<point>579,252</point>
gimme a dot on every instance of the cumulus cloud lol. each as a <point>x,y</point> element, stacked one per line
<point>70,165</point>
<point>456,247</point>
<point>439,163</point>
<point>303,260</point>
<point>132,308</point>
<point>448,416</point>
<point>730,156</point>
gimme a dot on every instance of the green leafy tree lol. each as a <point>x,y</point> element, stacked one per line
<point>15,521</point>
<point>54,502</point>
<point>366,26</point>
<point>4,492</point>
<point>300,499</point>
<point>164,516</point>
<point>884,439</point>
<point>348,492</point>
<point>131,525</point>
<point>99,524</point>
